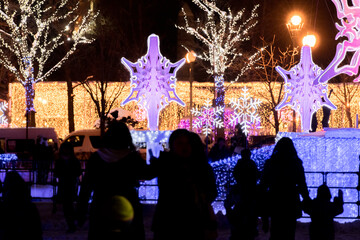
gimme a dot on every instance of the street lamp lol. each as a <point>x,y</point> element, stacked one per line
<point>309,40</point>
<point>190,58</point>
<point>294,26</point>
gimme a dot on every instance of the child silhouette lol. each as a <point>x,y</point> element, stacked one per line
<point>322,212</point>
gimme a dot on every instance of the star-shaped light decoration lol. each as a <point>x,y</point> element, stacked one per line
<point>300,92</point>
<point>153,81</point>
<point>245,111</point>
<point>208,117</point>
<point>349,31</point>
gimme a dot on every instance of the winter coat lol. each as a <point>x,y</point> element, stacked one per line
<point>283,181</point>
<point>322,215</point>
<point>110,173</point>
<point>186,190</point>
<point>68,172</point>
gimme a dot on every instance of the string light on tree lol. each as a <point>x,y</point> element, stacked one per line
<point>349,32</point>
<point>31,31</point>
<point>208,117</point>
<point>245,111</point>
<point>222,33</point>
<point>3,119</point>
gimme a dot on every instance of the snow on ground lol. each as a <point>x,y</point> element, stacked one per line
<point>54,226</point>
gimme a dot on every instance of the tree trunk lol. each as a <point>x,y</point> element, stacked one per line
<point>276,121</point>
<point>29,98</point>
<point>70,95</point>
<point>220,101</point>
<point>348,115</point>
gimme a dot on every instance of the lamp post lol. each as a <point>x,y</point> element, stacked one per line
<point>190,58</point>
<point>309,40</point>
<point>294,26</point>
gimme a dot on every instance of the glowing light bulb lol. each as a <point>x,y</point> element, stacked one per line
<point>309,40</point>
<point>296,20</point>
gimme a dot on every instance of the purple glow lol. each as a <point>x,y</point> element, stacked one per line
<point>153,81</point>
<point>29,85</point>
<point>350,29</point>
<point>208,117</point>
<point>228,125</point>
<point>300,92</point>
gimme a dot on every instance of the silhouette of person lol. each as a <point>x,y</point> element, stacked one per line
<point>240,203</point>
<point>322,212</point>
<point>67,170</point>
<point>186,189</point>
<point>219,150</point>
<point>113,173</point>
<point>43,157</point>
<point>283,181</point>
<point>19,216</point>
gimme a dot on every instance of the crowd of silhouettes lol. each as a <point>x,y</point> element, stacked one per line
<point>187,188</point>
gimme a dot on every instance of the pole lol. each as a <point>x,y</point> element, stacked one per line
<point>357,120</point>
<point>191,97</point>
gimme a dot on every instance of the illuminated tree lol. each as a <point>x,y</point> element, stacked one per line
<point>222,32</point>
<point>345,92</point>
<point>270,57</point>
<point>31,31</point>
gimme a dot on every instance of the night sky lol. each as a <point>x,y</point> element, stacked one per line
<point>133,20</point>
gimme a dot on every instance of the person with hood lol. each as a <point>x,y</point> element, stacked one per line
<point>20,218</point>
<point>186,189</point>
<point>113,174</point>
<point>282,182</point>
<point>322,212</point>
<point>67,170</point>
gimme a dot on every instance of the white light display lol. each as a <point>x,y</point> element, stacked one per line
<point>3,119</point>
<point>208,117</point>
<point>245,111</point>
<point>30,34</point>
<point>349,32</point>
<point>153,81</point>
<point>300,92</point>
<point>222,34</point>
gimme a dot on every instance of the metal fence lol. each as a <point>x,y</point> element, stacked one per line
<point>148,190</point>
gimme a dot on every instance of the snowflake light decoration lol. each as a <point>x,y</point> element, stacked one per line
<point>208,117</point>
<point>245,111</point>
<point>349,29</point>
<point>153,81</point>
<point>3,119</point>
<point>300,92</point>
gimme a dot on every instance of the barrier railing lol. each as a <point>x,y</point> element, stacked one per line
<point>148,190</point>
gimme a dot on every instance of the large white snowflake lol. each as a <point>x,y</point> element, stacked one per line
<point>208,117</point>
<point>3,119</point>
<point>245,111</point>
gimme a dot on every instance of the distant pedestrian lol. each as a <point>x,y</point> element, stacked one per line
<point>186,190</point>
<point>283,181</point>
<point>43,159</point>
<point>322,212</point>
<point>241,202</point>
<point>19,216</point>
<point>67,170</point>
<point>219,150</point>
<point>113,174</point>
